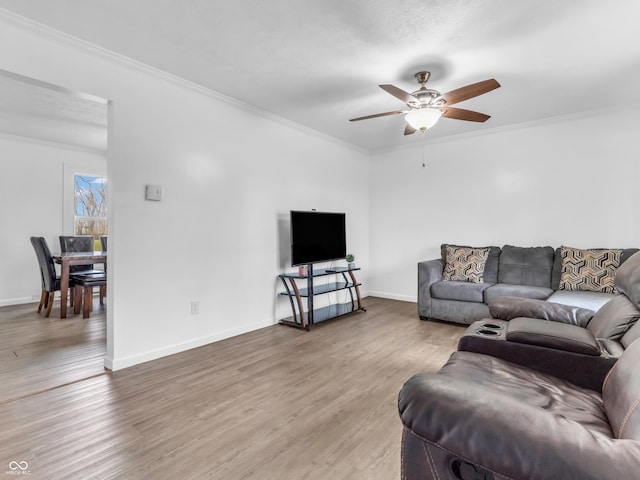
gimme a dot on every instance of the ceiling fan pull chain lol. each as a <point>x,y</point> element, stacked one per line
<point>422,147</point>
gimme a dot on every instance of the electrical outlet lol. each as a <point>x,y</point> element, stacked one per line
<point>195,307</point>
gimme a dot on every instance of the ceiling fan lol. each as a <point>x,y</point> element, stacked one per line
<point>426,106</point>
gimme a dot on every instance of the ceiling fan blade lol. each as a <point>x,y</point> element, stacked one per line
<point>399,93</point>
<point>409,130</point>
<point>375,115</point>
<point>470,91</point>
<point>462,114</point>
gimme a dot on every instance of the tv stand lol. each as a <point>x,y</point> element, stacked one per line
<point>305,318</point>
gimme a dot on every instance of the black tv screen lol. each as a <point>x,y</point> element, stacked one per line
<point>317,237</point>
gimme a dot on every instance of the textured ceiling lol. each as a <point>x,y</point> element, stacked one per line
<point>318,63</point>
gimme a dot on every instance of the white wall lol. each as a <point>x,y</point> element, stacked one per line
<point>32,191</point>
<point>570,181</point>
<point>229,176</point>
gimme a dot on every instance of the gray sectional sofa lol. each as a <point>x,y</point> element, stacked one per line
<point>527,272</point>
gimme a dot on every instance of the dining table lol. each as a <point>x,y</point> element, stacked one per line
<point>66,260</point>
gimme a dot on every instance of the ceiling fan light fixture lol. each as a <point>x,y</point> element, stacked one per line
<point>423,118</point>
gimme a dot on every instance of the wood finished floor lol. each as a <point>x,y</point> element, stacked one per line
<point>38,353</point>
<point>277,403</point>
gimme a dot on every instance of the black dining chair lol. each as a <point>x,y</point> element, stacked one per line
<point>50,279</point>
<point>78,243</point>
<point>82,243</point>
<point>84,283</point>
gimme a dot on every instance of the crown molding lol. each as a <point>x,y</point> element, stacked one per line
<point>51,86</point>
<point>515,126</point>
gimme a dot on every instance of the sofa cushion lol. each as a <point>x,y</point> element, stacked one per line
<point>526,266</point>
<point>614,319</point>
<point>508,308</point>
<point>592,269</point>
<point>560,336</point>
<point>491,266</point>
<point>464,291</point>
<point>465,264</point>
<point>471,387</point>
<point>627,253</point>
<point>628,279</point>
<point>509,290</point>
<point>591,300</point>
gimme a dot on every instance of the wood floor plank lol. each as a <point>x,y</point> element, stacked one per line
<point>277,403</point>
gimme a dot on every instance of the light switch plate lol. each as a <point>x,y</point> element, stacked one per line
<point>153,192</point>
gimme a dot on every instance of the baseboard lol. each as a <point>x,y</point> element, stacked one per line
<point>131,360</point>
<point>394,296</point>
<point>19,301</point>
<point>35,299</point>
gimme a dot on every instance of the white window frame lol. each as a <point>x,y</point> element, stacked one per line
<point>68,197</point>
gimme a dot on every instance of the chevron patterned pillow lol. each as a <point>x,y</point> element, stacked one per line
<point>593,269</point>
<point>465,264</point>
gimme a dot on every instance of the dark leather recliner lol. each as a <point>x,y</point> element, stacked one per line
<point>481,417</point>
<point>561,340</point>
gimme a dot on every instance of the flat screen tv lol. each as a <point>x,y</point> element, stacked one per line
<point>317,237</point>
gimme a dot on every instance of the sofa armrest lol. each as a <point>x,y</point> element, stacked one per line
<point>559,336</point>
<point>505,436</point>
<point>507,308</point>
<point>586,371</point>
<point>429,272</point>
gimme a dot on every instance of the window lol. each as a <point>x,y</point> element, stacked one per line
<point>90,200</point>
